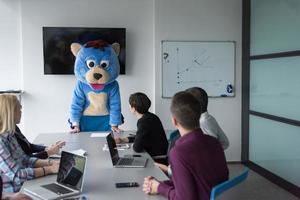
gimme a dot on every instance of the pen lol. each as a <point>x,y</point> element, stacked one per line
<point>223,95</point>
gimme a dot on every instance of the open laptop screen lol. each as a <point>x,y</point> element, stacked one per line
<point>112,148</point>
<point>71,170</point>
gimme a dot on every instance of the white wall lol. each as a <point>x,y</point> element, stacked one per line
<point>10,41</point>
<point>47,97</point>
<point>202,20</point>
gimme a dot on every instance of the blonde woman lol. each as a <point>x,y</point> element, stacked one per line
<point>15,166</point>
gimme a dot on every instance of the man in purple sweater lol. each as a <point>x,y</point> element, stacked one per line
<point>197,160</point>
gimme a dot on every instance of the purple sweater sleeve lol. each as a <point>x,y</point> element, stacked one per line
<point>182,185</point>
<point>165,187</point>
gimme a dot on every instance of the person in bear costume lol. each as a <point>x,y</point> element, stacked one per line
<point>96,104</point>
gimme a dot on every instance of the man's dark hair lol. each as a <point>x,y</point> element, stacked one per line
<point>186,109</point>
<point>140,102</point>
<point>201,96</point>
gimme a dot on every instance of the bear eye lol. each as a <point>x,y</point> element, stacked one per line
<point>104,63</point>
<point>90,63</point>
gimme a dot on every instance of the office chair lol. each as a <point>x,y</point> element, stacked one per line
<point>163,159</point>
<point>222,187</point>
<point>173,136</point>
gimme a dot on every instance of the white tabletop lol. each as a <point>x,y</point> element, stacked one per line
<point>100,175</point>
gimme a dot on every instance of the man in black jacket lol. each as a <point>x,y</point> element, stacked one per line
<point>150,134</point>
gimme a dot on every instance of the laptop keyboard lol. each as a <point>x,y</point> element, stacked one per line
<point>57,189</point>
<point>126,161</point>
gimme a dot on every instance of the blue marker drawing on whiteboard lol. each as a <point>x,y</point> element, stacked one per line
<point>229,88</point>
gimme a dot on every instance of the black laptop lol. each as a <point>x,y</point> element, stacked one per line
<point>117,161</point>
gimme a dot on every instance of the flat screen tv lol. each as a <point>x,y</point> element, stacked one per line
<point>58,58</point>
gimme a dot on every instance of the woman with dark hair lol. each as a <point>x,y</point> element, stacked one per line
<point>150,135</point>
<point>35,150</point>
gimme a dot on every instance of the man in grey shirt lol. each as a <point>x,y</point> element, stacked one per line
<point>210,126</point>
<point>208,123</point>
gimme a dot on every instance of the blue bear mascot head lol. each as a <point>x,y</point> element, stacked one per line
<point>96,63</point>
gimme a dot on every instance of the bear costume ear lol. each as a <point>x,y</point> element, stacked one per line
<point>75,47</point>
<point>116,47</point>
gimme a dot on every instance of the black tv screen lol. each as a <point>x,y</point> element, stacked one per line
<point>58,58</point>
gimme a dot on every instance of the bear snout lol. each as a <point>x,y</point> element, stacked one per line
<point>97,76</point>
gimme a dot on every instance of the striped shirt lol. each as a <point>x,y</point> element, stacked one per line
<point>15,166</point>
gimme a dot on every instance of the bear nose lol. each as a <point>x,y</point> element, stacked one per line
<point>97,76</point>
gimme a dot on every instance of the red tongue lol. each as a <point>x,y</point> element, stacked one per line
<point>97,86</point>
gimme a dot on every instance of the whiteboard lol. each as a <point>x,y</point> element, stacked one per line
<point>206,64</point>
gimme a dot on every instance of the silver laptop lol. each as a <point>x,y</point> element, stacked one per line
<point>69,179</point>
<point>118,161</point>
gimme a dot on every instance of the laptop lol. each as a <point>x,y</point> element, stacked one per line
<point>69,179</point>
<point>117,161</point>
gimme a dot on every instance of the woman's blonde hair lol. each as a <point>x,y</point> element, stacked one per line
<point>8,103</point>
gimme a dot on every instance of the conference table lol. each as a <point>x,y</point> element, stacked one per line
<point>100,175</point>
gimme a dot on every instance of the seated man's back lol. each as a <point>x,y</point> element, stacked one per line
<point>198,163</point>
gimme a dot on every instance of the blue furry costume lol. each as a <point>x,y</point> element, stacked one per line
<point>96,104</point>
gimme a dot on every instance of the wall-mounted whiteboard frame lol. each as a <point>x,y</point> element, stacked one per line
<point>206,64</point>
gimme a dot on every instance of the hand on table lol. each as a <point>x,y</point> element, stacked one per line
<point>115,129</point>
<point>54,148</point>
<point>15,196</point>
<point>53,168</point>
<point>163,167</point>
<point>75,129</point>
<point>150,185</point>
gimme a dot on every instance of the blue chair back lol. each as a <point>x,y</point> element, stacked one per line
<point>173,136</point>
<point>222,187</point>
